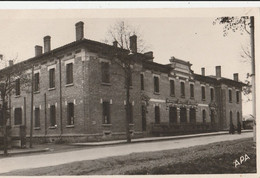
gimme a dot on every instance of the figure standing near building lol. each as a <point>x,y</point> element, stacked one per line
<point>239,127</point>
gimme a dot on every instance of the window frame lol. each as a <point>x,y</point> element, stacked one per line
<point>203,93</point>
<point>105,72</point>
<point>172,87</point>
<point>52,76</point>
<point>156,82</point>
<point>192,91</point>
<point>70,113</point>
<point>182,89</point>
<point>69,73</point>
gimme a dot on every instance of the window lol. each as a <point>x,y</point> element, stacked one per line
<point>212,94</point>
<point>70,114</point>
<point>183,115</point>
<point>238,117</point>
<point>230,95</point>
<point>203,94</point>
<point>106,112</point>
<point>36,82</point>
<point>17,87</point>
<point>173,115</point>
<point>192,115</point>
<point>157,114</point>
<point>143,118</point>
<point>237,96</point>
<point>156,84</point>
<point>69,73</point>
<point>231,117</point>
<point>172,88</point>
<point>37,117</point>
<point>182,89</point>
<point>18,116</point>
<point>130,79</point>
<point>203,116</point>
<point>52,78</point>
<point>53,115</point>
<point>105,72</point>
<point>191,91</point>
<point>142,81</point>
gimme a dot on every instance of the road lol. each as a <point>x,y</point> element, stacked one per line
<point>44,160</point>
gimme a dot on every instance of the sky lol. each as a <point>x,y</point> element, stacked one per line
<point>188,37</point>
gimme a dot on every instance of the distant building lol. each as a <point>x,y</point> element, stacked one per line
<point>79,94</point>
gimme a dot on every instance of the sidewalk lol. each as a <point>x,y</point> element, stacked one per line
<point>56,147</point>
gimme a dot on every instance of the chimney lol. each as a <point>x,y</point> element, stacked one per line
<point>11,62</point>
<point>218,71</point>
<point>203,71</point>
<point>38,50</point>
<point>133,43</point>
<point>115,44</point>
<point>149,55</point>
<point>47,44</point>
<point>79,30</point>
<point>235,75</point>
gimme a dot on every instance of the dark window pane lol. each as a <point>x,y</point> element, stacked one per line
<point>191,90</point>
<point>182,89</point>
<point>142,81</point>
<point>203,94</point>
<point>105,72</point>
<point>106,112</point>
<point>17,87</point>
<point>70,112</point>
<point>172,87</point>
<point>156,84</point>
<point>36,82</point>
<point>212,94</point>
<point>37,117</point>
<point>204,116</point>
<point>69,73</point>
<point>17,116</point>
<point>237,96</point>
<point>52,115</point>
<point>52,77</point>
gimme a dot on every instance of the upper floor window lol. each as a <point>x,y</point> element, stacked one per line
<point>172,88</point>
<point>230,95</point>
<point>142,81</point>
<point>212,94</point>
<point>36,81</point>
<point>69,73</point>
<point>182,89</point>
<point>52,78</point>
<point>17,87</point>
<point>105,72</point>
<point>191,90</point>
<point>203,93</point>
<point>237,96</point>
<point>156,84</point>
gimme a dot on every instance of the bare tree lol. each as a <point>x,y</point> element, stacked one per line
<point>10,78</point>
<point>121,32</point>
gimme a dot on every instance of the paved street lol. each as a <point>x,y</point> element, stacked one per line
<point>36,161</point>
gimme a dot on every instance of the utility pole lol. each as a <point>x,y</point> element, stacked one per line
<point>32,90</point>
<point>253,72</point>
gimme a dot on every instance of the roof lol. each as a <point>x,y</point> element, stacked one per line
<point>156,66</point>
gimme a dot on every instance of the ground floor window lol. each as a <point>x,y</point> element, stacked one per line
<point>52,115</point>
<point>157,114</point>
<point>238,117</point>
<point>231,117</point>
<point>203,116</point>
<point>106,112</point>
<point>37,117</point>
<point>17,116</point>
<point>70,114</point>
<point>192,115</point>
<point>183,115</point>
<point>173,115</point>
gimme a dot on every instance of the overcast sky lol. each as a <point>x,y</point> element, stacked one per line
<point>192,38</point>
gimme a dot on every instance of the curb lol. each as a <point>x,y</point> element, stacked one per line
<point>153,139</point>
<point>27,152</point>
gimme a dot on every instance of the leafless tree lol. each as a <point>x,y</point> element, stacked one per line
<point>9,76</point>
<point>121,32</point>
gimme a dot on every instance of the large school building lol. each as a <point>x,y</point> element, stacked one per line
<point>80,94</point>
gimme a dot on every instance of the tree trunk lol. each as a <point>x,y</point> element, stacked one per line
<point>5,135</point>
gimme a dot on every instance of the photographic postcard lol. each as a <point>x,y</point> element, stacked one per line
<point>116,91</point>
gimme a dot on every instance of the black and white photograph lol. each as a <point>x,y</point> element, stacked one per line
<point>128,91</point>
